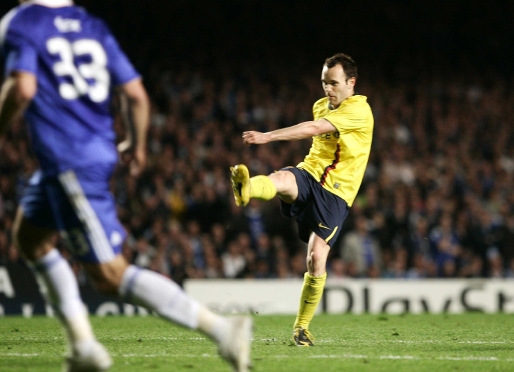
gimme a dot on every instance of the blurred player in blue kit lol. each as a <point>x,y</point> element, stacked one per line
<point>61,66</point>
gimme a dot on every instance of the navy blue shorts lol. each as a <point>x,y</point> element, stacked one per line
<point>80,206</point>
<point>316,209</point>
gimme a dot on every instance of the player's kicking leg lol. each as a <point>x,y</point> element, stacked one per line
<point>60,288</point>
<point>240,179</point>
<point>261,187</point>
<point>160,294</point>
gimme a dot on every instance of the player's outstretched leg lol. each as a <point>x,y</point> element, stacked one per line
<point>154,291</point>
<point>240,179</point>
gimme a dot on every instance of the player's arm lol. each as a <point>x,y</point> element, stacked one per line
<point>15,95</point>
<point>128,123</point>
<point>306,129</point>
<point>139,112</point>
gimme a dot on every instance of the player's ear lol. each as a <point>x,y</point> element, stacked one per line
<point>351,81</point>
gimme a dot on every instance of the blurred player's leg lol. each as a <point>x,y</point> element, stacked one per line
<point>59,286</point>
<point>160,294</point>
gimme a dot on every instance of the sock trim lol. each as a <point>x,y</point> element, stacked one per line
<point>48,260</point>
<point>126,291</point>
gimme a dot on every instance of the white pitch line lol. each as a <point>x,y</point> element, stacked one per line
<point>406,357</point>
<point>483,359</point>
<point>482,342</point>
<point>24,355</point>
<point>321,356</point>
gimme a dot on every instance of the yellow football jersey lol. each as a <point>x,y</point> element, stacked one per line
<point>338,159</point>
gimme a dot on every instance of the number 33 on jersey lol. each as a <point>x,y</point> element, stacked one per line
<point>76,62</point>
<point>79,73</point>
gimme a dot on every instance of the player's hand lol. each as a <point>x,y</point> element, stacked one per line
<point>138,162</point>
<point>255,138</point>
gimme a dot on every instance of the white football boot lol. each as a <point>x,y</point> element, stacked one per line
<point>235,347</point>
<point>88,356</point>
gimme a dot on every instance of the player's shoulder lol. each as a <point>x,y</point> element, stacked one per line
<point>320,106</point>
<point>358,100</point>
<point>15,16</point>
<point>354,103</point>
<point>22,15</point>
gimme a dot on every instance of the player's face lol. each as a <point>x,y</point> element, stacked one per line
<point>337,88</point>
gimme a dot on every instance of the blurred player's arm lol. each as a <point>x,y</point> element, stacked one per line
<point>15,95</point>
<point>306,129</point>
<point>127,145</point>
<point>138,115</point>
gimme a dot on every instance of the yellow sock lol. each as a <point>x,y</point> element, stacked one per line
<point>311,296</point>
<point>261,187</point>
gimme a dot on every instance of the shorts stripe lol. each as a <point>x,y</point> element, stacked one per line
<point>331,235</point>
<point>87,216</point>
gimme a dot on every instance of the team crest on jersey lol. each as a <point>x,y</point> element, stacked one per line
<point>330,135</point>
<point>336,185</point>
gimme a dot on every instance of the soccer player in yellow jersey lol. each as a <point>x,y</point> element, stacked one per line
<point>318,192</point>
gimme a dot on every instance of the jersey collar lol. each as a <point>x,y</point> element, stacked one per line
<point>52,3</point>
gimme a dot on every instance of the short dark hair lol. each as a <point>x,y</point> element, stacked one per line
<point>347,62</point>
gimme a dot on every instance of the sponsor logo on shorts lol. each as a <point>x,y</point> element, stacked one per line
<point>116,238</point>
<point>323,226</point>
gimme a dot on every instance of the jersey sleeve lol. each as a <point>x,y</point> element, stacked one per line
<point>19,51</point>
<point>121,69</point>
<point>317,108</point>
<point>348,118</point>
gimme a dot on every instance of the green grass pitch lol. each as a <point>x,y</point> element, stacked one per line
<point>469,342</point>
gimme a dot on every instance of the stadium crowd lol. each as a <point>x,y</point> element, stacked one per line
<point>437,199</point>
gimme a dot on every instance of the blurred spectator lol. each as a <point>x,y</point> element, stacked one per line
<point>177,267</point>
<point>495,263</point>
<point>360,249</point>
<point>337,269</point>
<point>418,243</point>
<point>144,253</point>
<point>418,269</point>
<point>437,198</point>
<point>445,245</point>
<point>397,268</point>
<point>233,260</point>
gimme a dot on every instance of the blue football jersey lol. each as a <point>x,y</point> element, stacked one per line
<point>77,62</point>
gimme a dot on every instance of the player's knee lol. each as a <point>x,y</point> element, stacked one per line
<point>106,283</point>
<point>317,258</point>
<point>31,241</point>
<point>107,277</point>
<point>285,183</point>
<point>106,287</point>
